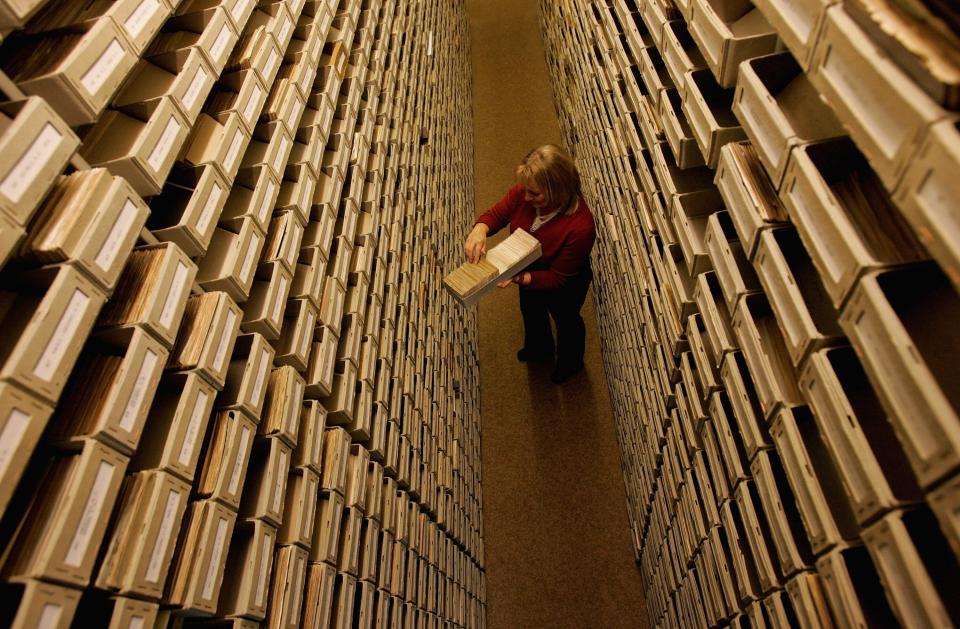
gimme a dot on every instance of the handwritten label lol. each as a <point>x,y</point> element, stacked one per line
<point>264,368</point>
<point>311,503</point>
<point>304,194</point>
<point>206,216</point>
<point>23,174</point>
<point>281,474</point>
<point>220,44</point>
<point>284,31</point>
<point>239,8</point>
<point>228,333</point>
<point>215,559</point>
<point>296,594</point>
<point>163,536</point>
<point>175,296</point>
<point>266,204</point>
<point>234,484</point>
<point>281,158</point>
<point>193,428</point>
<point>62,336</point>
<point>266,553</point>
<point>195,88</point>
<point>136,622</point>
<point>279,303</point>
<point>111,246</point>
<point>234,151</point>
<point>164,144</point>
<point>50,616</point>
<point>95,78</point>
<point>138,20</point>
<point>270,67</point>
<point>247,265</point>
<point>139,390</point>
<point>11,437</point>
<point>253,105</point>
<point>293,414</point>
<point>84,533</point>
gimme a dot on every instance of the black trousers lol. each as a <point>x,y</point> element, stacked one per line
<point>563,306</point>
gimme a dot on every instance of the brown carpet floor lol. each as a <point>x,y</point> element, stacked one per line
<point>558,550</point>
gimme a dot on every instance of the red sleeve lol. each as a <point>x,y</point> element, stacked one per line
<point>498,217</point>
<point>569,261</point>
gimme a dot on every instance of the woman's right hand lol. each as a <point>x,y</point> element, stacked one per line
<point>476,245</point>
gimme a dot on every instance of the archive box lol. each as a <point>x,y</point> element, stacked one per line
<point>68,505</point>
<point>746,410</point>
<point>716,315</point>
<point>780,108</point>
<point>24,418</point>
<point>707,107</point>
<point>90,219</point>
<point>677,131</point>
<point>187,209</point>
<point>728,32</point>
<point>246,582</point>
<point>808,601</point>
<point>318,597</point>
<point>209,31</point>
<point>863,443</point>
<point>846,219</point>
<point>253,198</point>
<point>797,23</point>
<point>284,235</point>
<point>323,358</point>
<point>287,587</point>
<point>138,20</point>
<point>238,93</point>
<point>293,347</point>
<point>309,275</point>
<point>15,13</point>
<point>740,557</point>
<point>733,272</point>
<point>282,406</point>
<point>207,334</point>
<point>139,548</point>
<point>35,145</point>
<point>348,555</point>
<point>185,79</point>
<point>336,455</point>
<point>270,147</point>
<point>265,489</point>
<point>221,145</point>
<point>344,593</point>
<point>778,503</point>
<point>34,603</point>
<point>110,392</point>
<point>300,508</point>
<point>115,612</point>
<point>263,312</point>
<point>309,451</point>
<point>247,376</point>
<point>45,323</point>
<point>853,588</point>
<point>297,190</point>
<point>901,324</point>
<point>201,557</point>
<point>695,183</point>
<point>226,458</point>
<point>326,531</point>
<point>76,73</point>
<point>230,262</point>
<point>680,53</point>
<point>943,502</point>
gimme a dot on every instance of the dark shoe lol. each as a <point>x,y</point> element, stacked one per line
<point>562,373</point>
<point>527,356</point>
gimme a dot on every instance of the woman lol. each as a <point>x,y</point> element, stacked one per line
<point>546,203</point>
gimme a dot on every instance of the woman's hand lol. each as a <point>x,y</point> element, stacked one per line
<point>523,279</point>
<point>476,245</point>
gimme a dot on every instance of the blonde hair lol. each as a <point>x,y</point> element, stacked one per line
<point>552,170</point>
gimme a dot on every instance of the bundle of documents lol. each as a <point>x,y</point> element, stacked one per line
<point>472,281</point>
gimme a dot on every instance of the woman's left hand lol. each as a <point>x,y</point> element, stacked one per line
<point>504,283</point>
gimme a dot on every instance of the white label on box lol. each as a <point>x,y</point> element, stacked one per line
<point>311,502</point>
<point>266,204</point>
<point>307,335</point>
<point>50,616</point>
<point>247,265</point>
<point>138,20</point>
<point>62,336</point>
<point>266,553</point>
<point>281,475</point>
<point>84,533</point>
<point>195,88</point>
<point>281,158</point>
<point>296,594</point>
<point>11,437</point>
<point>175,296</point>
<point>219,46</point>
<point>238,9</point>
<point>284,30</point>
<point>164,144</point>
<point>100,71</point>
<point>36,156</point>
<point>215,559</point>
<point>238,464</point>
<point>234,151</point>
<point>263,370</point>
<point>270,68</point>
<point>295,403</point>
<point>304,193</point>
<point>139,390</point>
<point>228,333</point>
<point>136,623</point>
<point>111,246</point>
<point>203,221</point>
<point>163,536</point>
<point>193,429</point>
<point>253,105</point>
<point>280,301</point>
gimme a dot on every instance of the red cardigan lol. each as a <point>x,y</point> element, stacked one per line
<point>565,240</point>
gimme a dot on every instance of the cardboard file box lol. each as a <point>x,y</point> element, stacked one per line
<point>323,358</point>
<point>287,587</point>
<point>195,581</point>
<point>265,309</point>
<point>284,235</point>
<point>143,534</point>
<point>943,501</point>
<point>707,107</point>
<point>748,193</point>
<point>789,538</point>
<point>309,451</point>
<point>14,14</point>
<point>35,145</point>
<point>222,145</point>
<point>847,221</point>
<point>680,52</point>
<point>695,183</point>
<point>340,402</point>
<point>253,198</point>
<point>309,275</point>
<point>808,600</point>
<point>38,604</point>
<point>226,458</point>
<point>908,548</point>
<point>188,208</point>
<point>863,444</point>
<point>326,532</point>
<point>884,111</point>
<point>677,131</point>
<point>22,420</point>
<point>351,333</point>
<point>10,237</point>
<point>185,78</point>
<point>728,32</point>
<point>246,582</point>
<point>92,219</point>
<point>281,409</point>
<point>704,356</point>
<point>344,594</point>
<point>746,411</point>
<point>332,305</point>
<point>247,376</point>
<point>852,587</point>
<point>46,323</point>
<point>335,460</point>
<point>296,339</point>
<point>928,191</point>
<point>779,109</point>
<point>237,10</point>
<point>270,148</point>
<point>256,50</point>
<point>152,293</point>
<point>900,324</point>
<point>207,334</point>
<point>230,263</point>
<point>797,23</point>
<point>732,538</point>
<point>116,612</point>
<point>716,315</point>
<point>734,273</point>
<point>239,93</point>
<point>111,391</point>
<point>138,20</point>
<point>323,214</point>
<point>80,71</point>
<point>307,149</point>
<point>373,499</point>
<point>67,512</point>
<point>300,508</point>
<point>356,477</point>
<point>347,221</point>
<point>318,597</point>
<point>211,32</point>
<point>285,105</point>
<point>297,190</point>
<point>265,489</point>
<point>802,306</point>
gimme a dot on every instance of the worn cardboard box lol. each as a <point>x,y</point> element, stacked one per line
<point>220,144</point>
<point>188,208</point>
<point>23,420</point>
<point>239,92</point>
<point>300,508</point>
<point>264,493</point>
<point>246,584</point>
<point>206,337</point>
<point>264,311</point>
<point>226,458</point>
<point>296,336</point>
<point>253,196</point>
<point>138,20</point>
<point>309,451</point>
<point>247,376</point>
<point>186,78</point>
<point>230,262</point>
<point>39,604</point>
<point>323,357</point>
<point>201,555</point>
<point>212,32</point>
<point>287,587</point>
